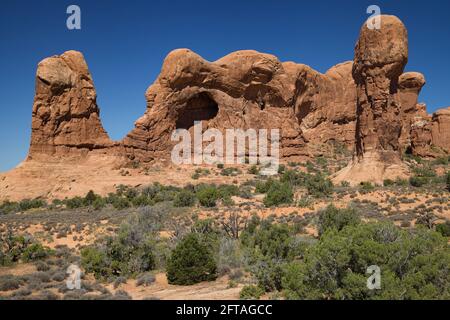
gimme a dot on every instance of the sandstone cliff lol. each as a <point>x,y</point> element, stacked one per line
<point>367,105</point>
<point>66,118</point>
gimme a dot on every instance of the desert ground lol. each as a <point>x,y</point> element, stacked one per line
<point>73,219</point>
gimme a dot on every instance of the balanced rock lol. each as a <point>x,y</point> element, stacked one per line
<point>380,57</point>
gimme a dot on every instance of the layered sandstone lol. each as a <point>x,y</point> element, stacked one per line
<point>244,90</point>
<point>430,135</point>
<point>66,118</point>
<point>380,57</point>
<point>367,105</point>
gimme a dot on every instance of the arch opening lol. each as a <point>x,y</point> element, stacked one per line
<point>199,108</point>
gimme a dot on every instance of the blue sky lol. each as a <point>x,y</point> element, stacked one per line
<point>125,42</point>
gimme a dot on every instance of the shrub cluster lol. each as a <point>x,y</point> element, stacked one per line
<point>414,265</point>
<point>191,261</point>
<point>15,248</point>
<point>422,176</point>
<point>24,205</point>
<point>126,254</point>
<point>278,193</point>
<point>317,184</point>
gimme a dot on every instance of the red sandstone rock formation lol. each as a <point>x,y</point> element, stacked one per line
<point>368,105</point>
<point>430,135</point>
<point>65,114</point>
<point>245,89</point>
<point>380,57</point>
<point>409,86</point>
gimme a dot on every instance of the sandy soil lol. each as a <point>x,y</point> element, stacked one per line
<point>160,289</point>
<point>57,180</point>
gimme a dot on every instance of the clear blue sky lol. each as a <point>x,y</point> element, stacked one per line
<point>125,42</point>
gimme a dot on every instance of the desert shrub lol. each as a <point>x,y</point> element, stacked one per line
<point>334,218</point>
<point>264,186</point>
<point>345,184</point>
<point>388,182</point>
<point>305,202</point>
<point>366,186</point>
<point>165,193</point>
<point>35,251</point>
<point>230,255</point>
<point>426,219</point>
<point>269,241</point>
<point>141,201</point>
<point>126,254</point>
<point>12,247</point>
<point>121,295</point>
<point>9,282</point>
<point>414,265</point>
<point>418,181</point>
<point>231,171</point>
<point>131,193</point>
<point>47,295</point>
<point>208,196</point>
<point>99,203</point>
<point>278,193</point>
<point>145,279</point>
<point>267,247</point>
<point>41,266</point>
<point>269,274</point>
<point>59,276</point>
<point>318,185</point>
<point>442,161</point>
<point>227,190</point>
<point>293,178</point>
<point>90,198</point>
<point>401,182</point>
<point>26,204</point>
<point>94,260</point>
<point>422,176</point>
<point>245,192</point>
<point>9,207</point>
<point>281,168</point>
<point>191,262</point>
<point>424,171</point>
<point>444,228</point>
<point>121,203</point>
<point>74,203</point>
<point>118,281</point>
<point>195,176</point>
<point>251,292</point>
<point>184,198</point>
<point>253,169</point>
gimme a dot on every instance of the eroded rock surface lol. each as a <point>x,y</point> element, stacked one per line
<point>380,57</point>
<point>367,105</point>
<point>66,119</point>
<point>246,89</point>
<point>430,135</point>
